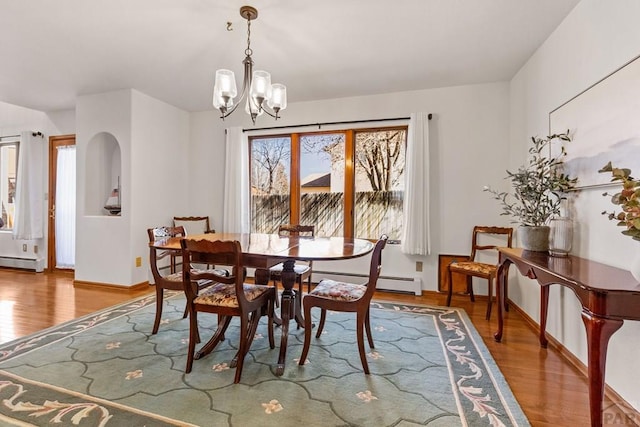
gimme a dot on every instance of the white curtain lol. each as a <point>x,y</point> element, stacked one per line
<point>66,207</point>
<point>29,216</point>
<point>416,235</point>
<point>236,184</point>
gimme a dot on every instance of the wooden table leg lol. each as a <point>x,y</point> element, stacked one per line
<point>287,310</point>
<point>599,330</point>
<point>261,276</point>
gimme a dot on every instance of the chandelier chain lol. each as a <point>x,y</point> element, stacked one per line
<point>248,50</point>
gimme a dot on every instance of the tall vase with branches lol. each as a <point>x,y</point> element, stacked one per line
<point>538,190</point>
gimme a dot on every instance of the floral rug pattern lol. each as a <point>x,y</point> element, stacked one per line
<point>429,367</point>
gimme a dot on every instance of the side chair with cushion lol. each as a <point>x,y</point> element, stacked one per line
<point>346,297</point>
<point>475,268</point>
<point>303,269</point>
<point>227,298</point>
<point>173,280</point>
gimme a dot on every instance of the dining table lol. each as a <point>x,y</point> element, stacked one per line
<point>262,251</point>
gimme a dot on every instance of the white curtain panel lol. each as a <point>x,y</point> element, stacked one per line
<point>416,236</point>
<point>236,184</point>
<point>66,207</point>
<point>29,216</point>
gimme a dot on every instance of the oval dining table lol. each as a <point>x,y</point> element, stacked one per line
<point>262,251</point>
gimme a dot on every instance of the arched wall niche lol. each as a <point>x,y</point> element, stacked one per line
<point>103,172</point>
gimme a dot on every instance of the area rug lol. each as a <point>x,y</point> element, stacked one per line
<point>429,367</point>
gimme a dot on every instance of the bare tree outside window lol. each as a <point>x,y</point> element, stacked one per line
<point>270,160</point>
<point>380,156</point>
<point>379,182</point>
<point>270,177</point>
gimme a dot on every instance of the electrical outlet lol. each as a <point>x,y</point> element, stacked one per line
<point>24,247</point>
<point>418,265</point>
<point>35,249</point>
<point>139,261</point>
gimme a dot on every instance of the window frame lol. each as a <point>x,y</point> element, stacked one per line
<point>349,168</point>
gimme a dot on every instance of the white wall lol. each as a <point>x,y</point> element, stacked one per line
<point>594,40</point>
<point>468,132</point>
<point>153,140</point>
<point>159,158</point>
<point>102,242</point>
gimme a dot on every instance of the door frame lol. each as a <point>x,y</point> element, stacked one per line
<point>54,143</point>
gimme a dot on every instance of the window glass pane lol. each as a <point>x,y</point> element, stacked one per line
<point>379,183</point>
<point>322,183</point>
<point>270,177</point>
<point>8,167</point>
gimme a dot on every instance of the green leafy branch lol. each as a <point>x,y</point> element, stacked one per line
<point>628,199</point>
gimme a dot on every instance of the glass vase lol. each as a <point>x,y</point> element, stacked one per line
<point>560,236</point>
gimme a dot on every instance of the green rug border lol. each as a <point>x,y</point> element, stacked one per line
<point>502,386</point>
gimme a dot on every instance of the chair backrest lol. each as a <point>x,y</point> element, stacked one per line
<point>227,252</point>
<point>159,233</point>
<point>479,230</point>
<point>297,230</point>
<point>193,224</point>
<point>375,266</point>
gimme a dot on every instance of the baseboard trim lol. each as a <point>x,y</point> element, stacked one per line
<point>624,406</point>
<point>110,286</point>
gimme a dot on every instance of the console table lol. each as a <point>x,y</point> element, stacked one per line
<point>608,295</point>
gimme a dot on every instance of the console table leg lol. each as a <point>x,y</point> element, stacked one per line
<point>599,330</point>
<point>501,283</point>
<point>544,306</point>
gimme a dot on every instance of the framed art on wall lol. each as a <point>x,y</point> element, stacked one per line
<point>604,125</point>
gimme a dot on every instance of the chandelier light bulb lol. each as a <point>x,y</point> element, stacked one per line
<point>278,99</point>
<point>260,85</point>
<point>224,89</point>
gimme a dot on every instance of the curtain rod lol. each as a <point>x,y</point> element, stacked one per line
<point>18,136</point>
<point>429,116</point>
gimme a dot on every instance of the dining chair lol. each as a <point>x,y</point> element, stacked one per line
<point>475,268</point>
<point>345,297</point>
<point>193,224</point>
<point>302,269</point>
<point>173,280</point>
<point>229,297</point>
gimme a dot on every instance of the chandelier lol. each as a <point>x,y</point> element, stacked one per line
<point>261,95</point>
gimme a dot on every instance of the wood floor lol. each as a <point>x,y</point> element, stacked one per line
<point>551,391</point>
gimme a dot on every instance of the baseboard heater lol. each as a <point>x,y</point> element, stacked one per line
<point>36,265</point>
<point>386,283</point>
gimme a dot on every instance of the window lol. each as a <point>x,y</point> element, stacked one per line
<point>270,176</point>
<point>8,169</point>
<point>346,183</point>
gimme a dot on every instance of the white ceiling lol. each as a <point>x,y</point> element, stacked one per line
<point>53,51</point>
